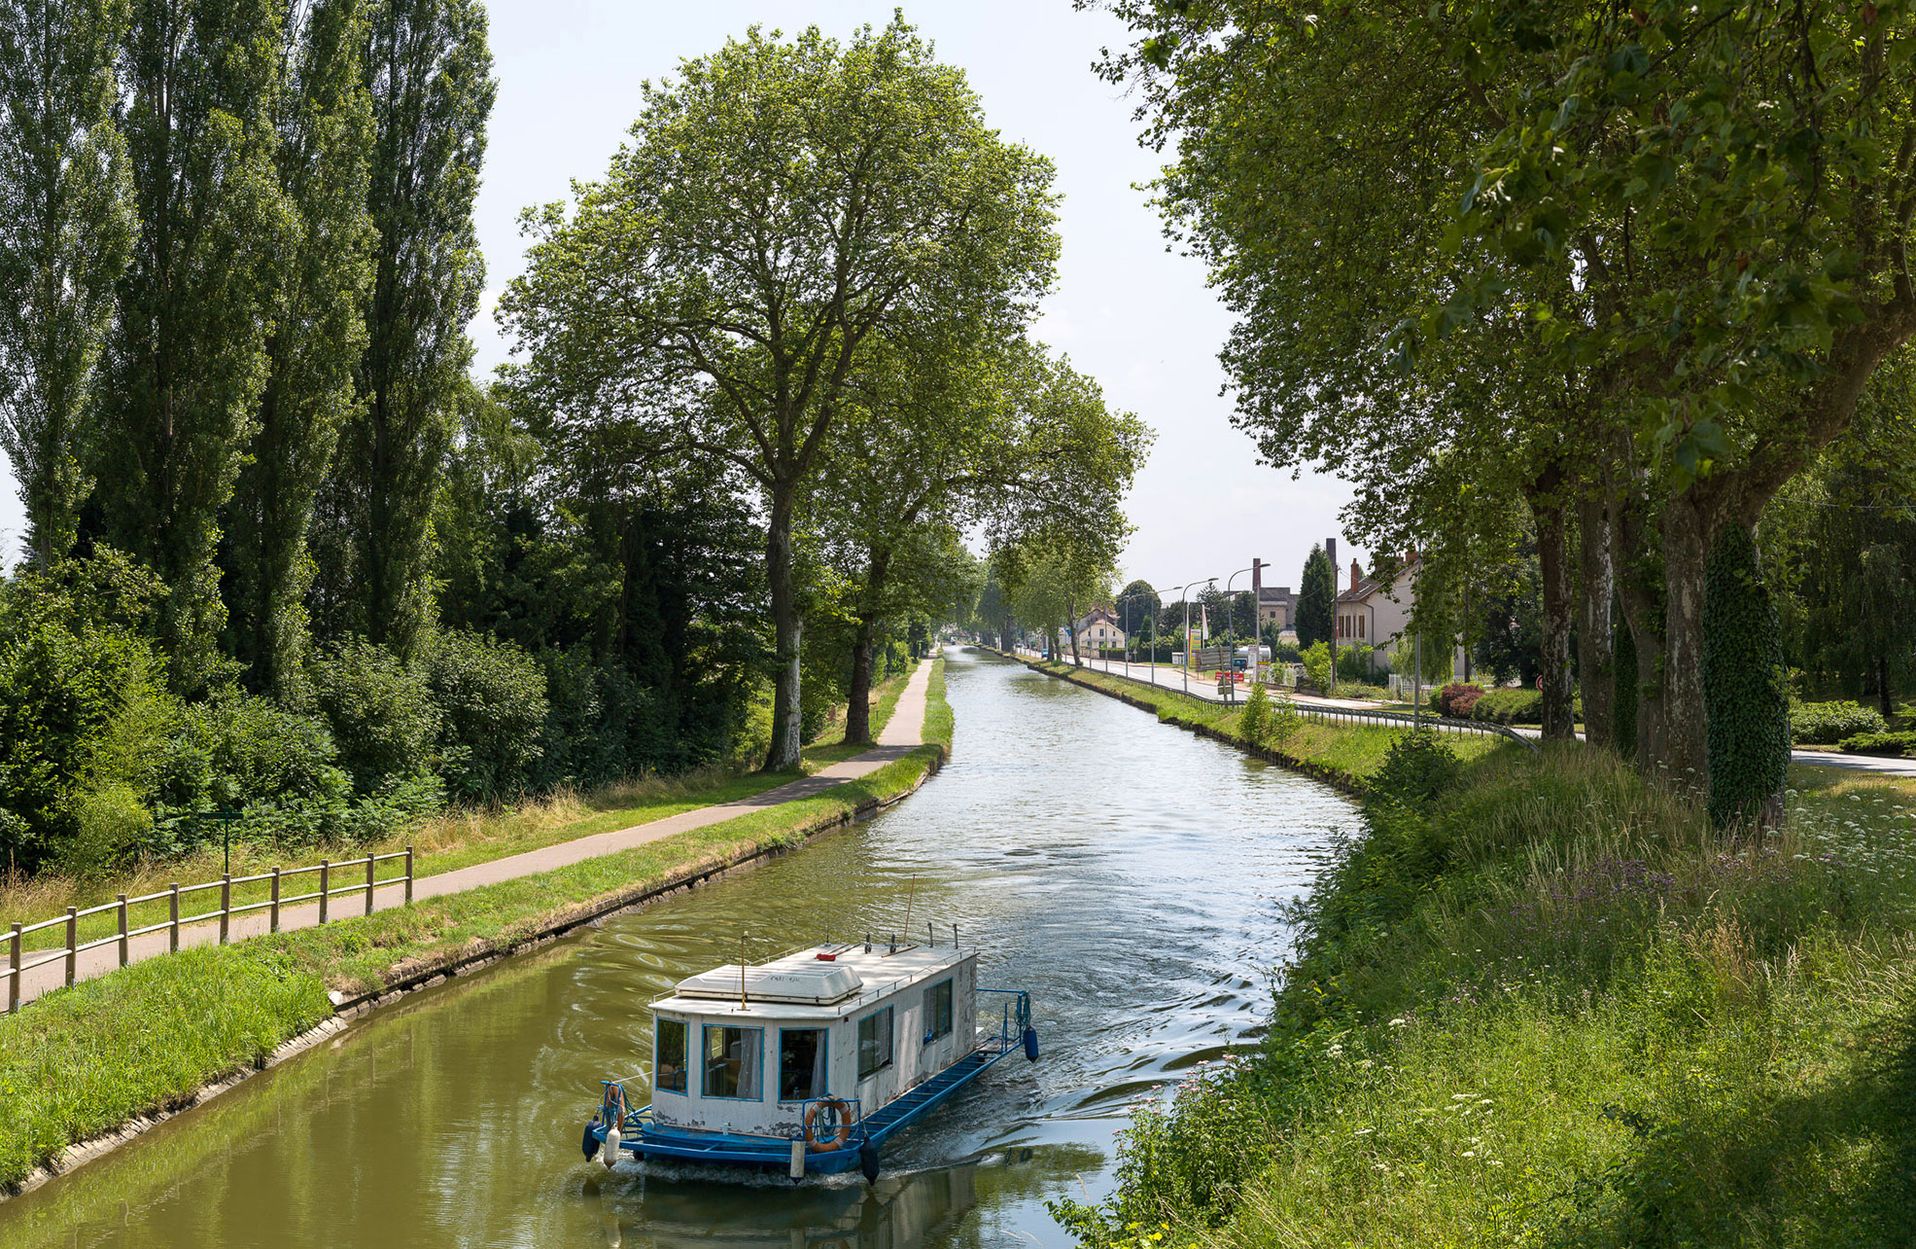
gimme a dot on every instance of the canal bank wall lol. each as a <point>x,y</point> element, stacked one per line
<point>1164,705</point>
<point>809,818</point>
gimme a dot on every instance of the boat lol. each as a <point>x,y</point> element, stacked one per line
<point>811,1061</point>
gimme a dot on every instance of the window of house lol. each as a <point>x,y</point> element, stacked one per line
<point>938,1011</point>
<point>733,1058</point>
<point>801,1064</point>
<point>668,1056</point>
<point>1360,626</point>
<point>874,1043</point>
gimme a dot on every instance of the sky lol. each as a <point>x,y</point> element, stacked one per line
<point>1132,314</point>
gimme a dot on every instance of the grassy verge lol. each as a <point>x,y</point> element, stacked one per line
<point>83,1061</point>
<point>1339,752</point>
<point>443,843</point>
<point>1541,1003</point>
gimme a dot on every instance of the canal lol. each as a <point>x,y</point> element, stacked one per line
<point>1132,876</point>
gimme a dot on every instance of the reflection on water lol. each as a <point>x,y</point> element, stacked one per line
<point>1132,876</point>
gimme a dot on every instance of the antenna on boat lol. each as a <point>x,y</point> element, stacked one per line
<point>909,894</point>
<point>954,936</point>
<point>741,969</point>
<point>930,940</point>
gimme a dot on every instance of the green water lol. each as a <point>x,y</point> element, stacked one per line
<point>1130,875</point>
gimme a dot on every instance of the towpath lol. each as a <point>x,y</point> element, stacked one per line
<point>902,734</point>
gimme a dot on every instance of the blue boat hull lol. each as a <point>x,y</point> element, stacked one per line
<point>645,1139</point>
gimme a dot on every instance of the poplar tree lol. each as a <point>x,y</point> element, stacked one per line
<point>1316,599</point>
<point>65,230</point>
<point>188,358</point>
<point>323,274</point>
<point>428,68</point>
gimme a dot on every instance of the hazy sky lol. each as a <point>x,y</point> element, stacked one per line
<point>1135,317</point>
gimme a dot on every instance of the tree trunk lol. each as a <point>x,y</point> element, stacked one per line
<point>1559,716</point>
<point>1071,627</point>
<point>787,629</point>
<point>1596,655</point>
<point>1686,544</point>
<point>858,709</point>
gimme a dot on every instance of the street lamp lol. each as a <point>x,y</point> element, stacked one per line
<point>1230,620</point>
<point>1187,627</point>
<point>1127,632</point>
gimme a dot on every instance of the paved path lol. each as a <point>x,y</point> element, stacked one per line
<point>903,733</point>
<point>1170,677</point>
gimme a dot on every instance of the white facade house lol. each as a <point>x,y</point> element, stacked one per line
<point>1374,613</point>
<point>1099,630</point>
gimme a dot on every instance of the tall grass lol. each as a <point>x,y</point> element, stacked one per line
<point>1554,1008</point>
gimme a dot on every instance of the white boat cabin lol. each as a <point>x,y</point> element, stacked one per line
<point>745,1051</point>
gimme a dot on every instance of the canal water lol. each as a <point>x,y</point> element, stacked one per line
<point>1132,876</point>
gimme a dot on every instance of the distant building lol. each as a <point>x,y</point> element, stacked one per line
<point>1276,604</point>
<point>1099,630</point>
<point>1374,613</point>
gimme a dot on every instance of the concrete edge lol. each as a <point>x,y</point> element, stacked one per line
<point>350,1009</point>
<point>1309,767</point>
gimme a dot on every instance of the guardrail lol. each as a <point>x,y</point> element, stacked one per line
<point>72,947</point>
<point>1443,724</point>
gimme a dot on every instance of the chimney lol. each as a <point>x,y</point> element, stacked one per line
<point>1330,549</point>
<point>1257,579</point>
<point>1356,575</point>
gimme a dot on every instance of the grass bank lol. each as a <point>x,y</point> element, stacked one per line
<point>1541,1003</point>
<point>443,843</point>
<point>1345,755</point>
<point>85,1061</point>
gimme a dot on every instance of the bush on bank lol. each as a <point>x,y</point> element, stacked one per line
<point>1551,1006</point>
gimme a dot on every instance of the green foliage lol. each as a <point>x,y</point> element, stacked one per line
<point>1316,600</point>
<point>1824,723</point>
<point>491,701</point>
<point>1902,742</point>
<point>1746,693</point>
<point>1418,768</point>
<point>1318,666</point>
<point>1355,662</point>
<point>379,709</point>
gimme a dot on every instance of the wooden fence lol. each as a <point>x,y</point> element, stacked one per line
<point>363,881</point>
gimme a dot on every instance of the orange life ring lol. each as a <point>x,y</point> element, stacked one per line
<point>841,1111</point>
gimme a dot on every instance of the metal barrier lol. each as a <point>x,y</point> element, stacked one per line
<point>72,947</point>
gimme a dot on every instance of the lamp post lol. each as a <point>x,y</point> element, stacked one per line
<point>1230,623</point>
<point>1186,669</point>
<point>1127,632</point>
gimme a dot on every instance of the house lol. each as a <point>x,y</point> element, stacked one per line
<point>1275,603</point>
<point>1099,630</point>
<point>1375,613</point>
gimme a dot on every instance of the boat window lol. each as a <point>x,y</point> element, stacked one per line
<point>668,1056</point>
<point>733,1057</point>
<point>874,1043</point>
<point>801,1064</point>
<point>938,1010</point>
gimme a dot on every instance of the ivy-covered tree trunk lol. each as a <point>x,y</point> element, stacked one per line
<point>1745,691</point>
<point>858,707</point>
<point>1624,672</point>
<point>1686,537</point>
<point>1596,646</point>
<point>1559,716</point>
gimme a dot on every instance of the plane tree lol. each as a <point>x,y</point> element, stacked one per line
<point>781,206</point>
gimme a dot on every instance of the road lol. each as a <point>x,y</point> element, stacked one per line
<point>1169,677</point>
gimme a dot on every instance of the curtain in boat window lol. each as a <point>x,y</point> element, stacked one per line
<point>801,1064</point>
<point>668,1056</point>
<point>733,1058</point>
<point>874,1043</point>
<point>938,1011</point>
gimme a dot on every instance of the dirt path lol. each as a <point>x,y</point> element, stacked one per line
<point>901,735</point>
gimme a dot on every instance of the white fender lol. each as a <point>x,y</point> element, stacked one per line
<point>611,1146</point>
<point>798,1157</point>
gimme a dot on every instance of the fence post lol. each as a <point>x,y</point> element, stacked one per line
<point>226,904</point>
<point>325,886</point>
<point>173,917</point>
<point>13,964</point>
<point>369,882</point>
<point>73,942</point>
<point>122,930</point>
<point>408,875</point>
<point>275,910</point>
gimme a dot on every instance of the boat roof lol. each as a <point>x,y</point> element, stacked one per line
<point>828,980</point>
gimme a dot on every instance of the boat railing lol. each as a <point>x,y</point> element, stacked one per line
<point>1016,1016</point>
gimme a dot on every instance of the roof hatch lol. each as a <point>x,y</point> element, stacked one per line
<point>810,982</point>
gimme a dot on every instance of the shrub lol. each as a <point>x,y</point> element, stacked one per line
<point>277,768</point>
<point>1515,706</point>
<point>1826,723</point>
<point>1355,661</point>
<point>1893,744</point>
<point>1316,659</point>
<point>381,714</point>
<point>491,701</point>
<point>1456,699</point>
<point>1268,720</point>
<point>1417,768</point>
